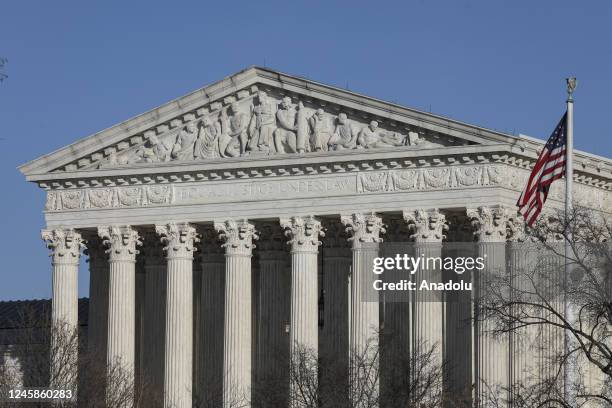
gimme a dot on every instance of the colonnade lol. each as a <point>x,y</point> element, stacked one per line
<point>142,313</point>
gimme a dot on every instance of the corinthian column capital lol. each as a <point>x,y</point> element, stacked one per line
<point>121,242</point>
<point>237,236</point>
<point>363,228</point>
<point>490,224</point>
<point>426,225</point>
<point>303,233</point>
<point>65,245</point>
<point>179,239</point>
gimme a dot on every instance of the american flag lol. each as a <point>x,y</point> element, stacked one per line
<point>549,167</point>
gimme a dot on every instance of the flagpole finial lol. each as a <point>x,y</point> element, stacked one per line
<point>572,82</point>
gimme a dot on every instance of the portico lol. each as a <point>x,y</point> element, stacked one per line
<point>233,225</point>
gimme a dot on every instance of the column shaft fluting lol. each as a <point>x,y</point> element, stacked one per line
<point>365,231</point>
<point>122,242</point>
<point>66,247</point>
<point>237,344</point>
<point>491,352</point>
<point>121,315</point>
<point>178,355</point>
<point>303,234</point>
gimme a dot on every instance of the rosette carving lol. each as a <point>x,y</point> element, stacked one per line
<point>468,176</point>
<point>101,198</point>
<point>436,178</point>
<point>405,180</point>
<point>130,196</point>
<point>159,194</point>
<point>72,199</point>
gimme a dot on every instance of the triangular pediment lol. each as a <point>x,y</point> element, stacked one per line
<point>259,113</point>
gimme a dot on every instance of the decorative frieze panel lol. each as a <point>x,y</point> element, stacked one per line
<point>430,178</point>
<point>336,182</point>
<point>112,197</point>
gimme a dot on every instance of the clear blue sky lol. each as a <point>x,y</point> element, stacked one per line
<point>76,68</point>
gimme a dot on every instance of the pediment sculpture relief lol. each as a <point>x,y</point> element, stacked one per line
<point>265,127</point>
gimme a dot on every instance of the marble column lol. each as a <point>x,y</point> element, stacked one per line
<point>98,298</point>
<point>122,242</point>
<point>491,353</point>
<point>65,246</point>
<point>179,242</point>
<point>155,313</point>
<point>211,321</point>
<point>303,234</point>
<point>522,341</point>
<point>238,239</point>
<point>428,312</point>
<point>364,231</point>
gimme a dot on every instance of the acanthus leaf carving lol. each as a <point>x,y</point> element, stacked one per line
<point>121,242</point>
<point>179,239</point>
<point>490,224</point>
<point>427,225</point>
<point>65,245</point>
<point>237,236</point>
<point>303,233</point>
<point>363,228</point>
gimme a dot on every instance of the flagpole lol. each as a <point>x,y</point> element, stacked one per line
<point>570,368</point>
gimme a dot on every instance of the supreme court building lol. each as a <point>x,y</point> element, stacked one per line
<point>227,226</point>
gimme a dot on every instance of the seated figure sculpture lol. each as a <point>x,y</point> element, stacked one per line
<point>319,130</point>
<point>207,144</point>
<point>344,137</point>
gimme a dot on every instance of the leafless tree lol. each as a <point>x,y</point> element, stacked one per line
<point>528,304</point>
<point>410,382</point>
<point>97,384</point>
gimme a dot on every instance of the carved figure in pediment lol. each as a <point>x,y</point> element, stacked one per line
<point>320,130</point>
<point>234,137</point>
<point>262,124</point>
<point>207,143</point>
<point>371,137</point>
<point>285,136</point>
<point>153,151</point>
<point>302,142</point>
<point>183,148</point>
<point>344,136</point>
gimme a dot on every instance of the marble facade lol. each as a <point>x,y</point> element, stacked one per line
<point>265,174</point>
